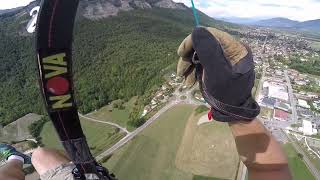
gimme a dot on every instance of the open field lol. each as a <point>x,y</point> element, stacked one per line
<point>266,112</point>
<point>18,130</point>
<point>115,115</point>
<point>100,136</point>
<point>297,167</point>
<point>315,45</point>
<point>208,150</point>
<point>153,153</point>
<point>196,177</point>
<point>254,89</point>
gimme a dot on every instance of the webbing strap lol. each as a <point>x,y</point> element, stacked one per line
<point>54,51</point>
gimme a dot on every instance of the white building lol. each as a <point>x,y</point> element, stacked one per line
<point>144,113</point>
<point>276,91</point>
<point>308,128</point>
<point>303,103</point>
<point>301,83</point>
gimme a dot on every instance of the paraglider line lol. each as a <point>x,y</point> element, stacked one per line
<point>195,14</point>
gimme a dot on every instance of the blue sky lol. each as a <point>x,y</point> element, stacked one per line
<point>294,9</point>
<point>300,10</point>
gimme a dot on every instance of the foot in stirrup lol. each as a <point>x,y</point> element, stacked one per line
<point>6,151</point>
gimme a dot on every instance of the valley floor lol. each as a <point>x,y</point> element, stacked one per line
<point>160,151</point>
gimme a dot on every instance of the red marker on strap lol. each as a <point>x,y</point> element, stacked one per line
<point>210,115</point>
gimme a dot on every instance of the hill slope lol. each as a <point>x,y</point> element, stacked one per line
<point>313,25</point>
<point>116,57</point>
<point>277,22</point>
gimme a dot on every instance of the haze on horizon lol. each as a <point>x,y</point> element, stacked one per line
<point>300,10</point>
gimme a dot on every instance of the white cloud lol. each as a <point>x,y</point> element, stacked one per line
<point>293,9</point>
<point>8,4</point>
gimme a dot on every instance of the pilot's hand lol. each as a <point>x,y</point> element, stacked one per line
<point>226,74</point>
<point>225,71</point>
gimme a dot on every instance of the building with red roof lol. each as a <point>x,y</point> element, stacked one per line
<point>280,115</point>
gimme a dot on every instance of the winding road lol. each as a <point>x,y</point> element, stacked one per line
<point>131,135</point>
<point>105,122</point>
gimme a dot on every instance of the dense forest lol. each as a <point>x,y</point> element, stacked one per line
<point>114,58</point>
<point>312,66</point>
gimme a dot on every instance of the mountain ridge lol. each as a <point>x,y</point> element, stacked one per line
<point>98,9</point>
<point>118,57</point>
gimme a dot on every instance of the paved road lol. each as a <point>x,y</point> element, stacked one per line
<point>309,148</point>
<point>264,67</point>
<point>311,167</point>
<point>105,122</point>
<point>292,99</point>
<point>131,135</point>
<point>260,86</point>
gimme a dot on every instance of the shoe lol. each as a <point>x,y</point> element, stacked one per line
<point>6,151</point>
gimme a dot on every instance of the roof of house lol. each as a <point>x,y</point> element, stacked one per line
<point>305,112</point>
<point>276,90</point>
<point>279,114</point>
<point>269,101</point>
<point>283,106</point>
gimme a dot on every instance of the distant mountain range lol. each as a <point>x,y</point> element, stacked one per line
<point>283,23</point>
<point>277,22</point>
<point>239,20</point>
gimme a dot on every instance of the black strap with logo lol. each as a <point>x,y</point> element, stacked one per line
<point>54,51</point>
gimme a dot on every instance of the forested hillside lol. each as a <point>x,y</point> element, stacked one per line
<point>114,58</point>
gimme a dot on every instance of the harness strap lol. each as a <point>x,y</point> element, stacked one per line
<point>54,50</point>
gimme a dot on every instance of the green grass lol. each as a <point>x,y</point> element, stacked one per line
<point>202,152</point>
<point>100,136</point>
<point>297,167</point>
<point>202,109</point>
<point>316,136</point>
<point>315,45</point>
<point>266,112</point>
<point>254,89</point>
<point>116,115</point>
<point>196,177</point>
<point>153,153</point>
<point>18,130</point>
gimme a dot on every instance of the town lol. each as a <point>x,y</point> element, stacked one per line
<point>288,92</point>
